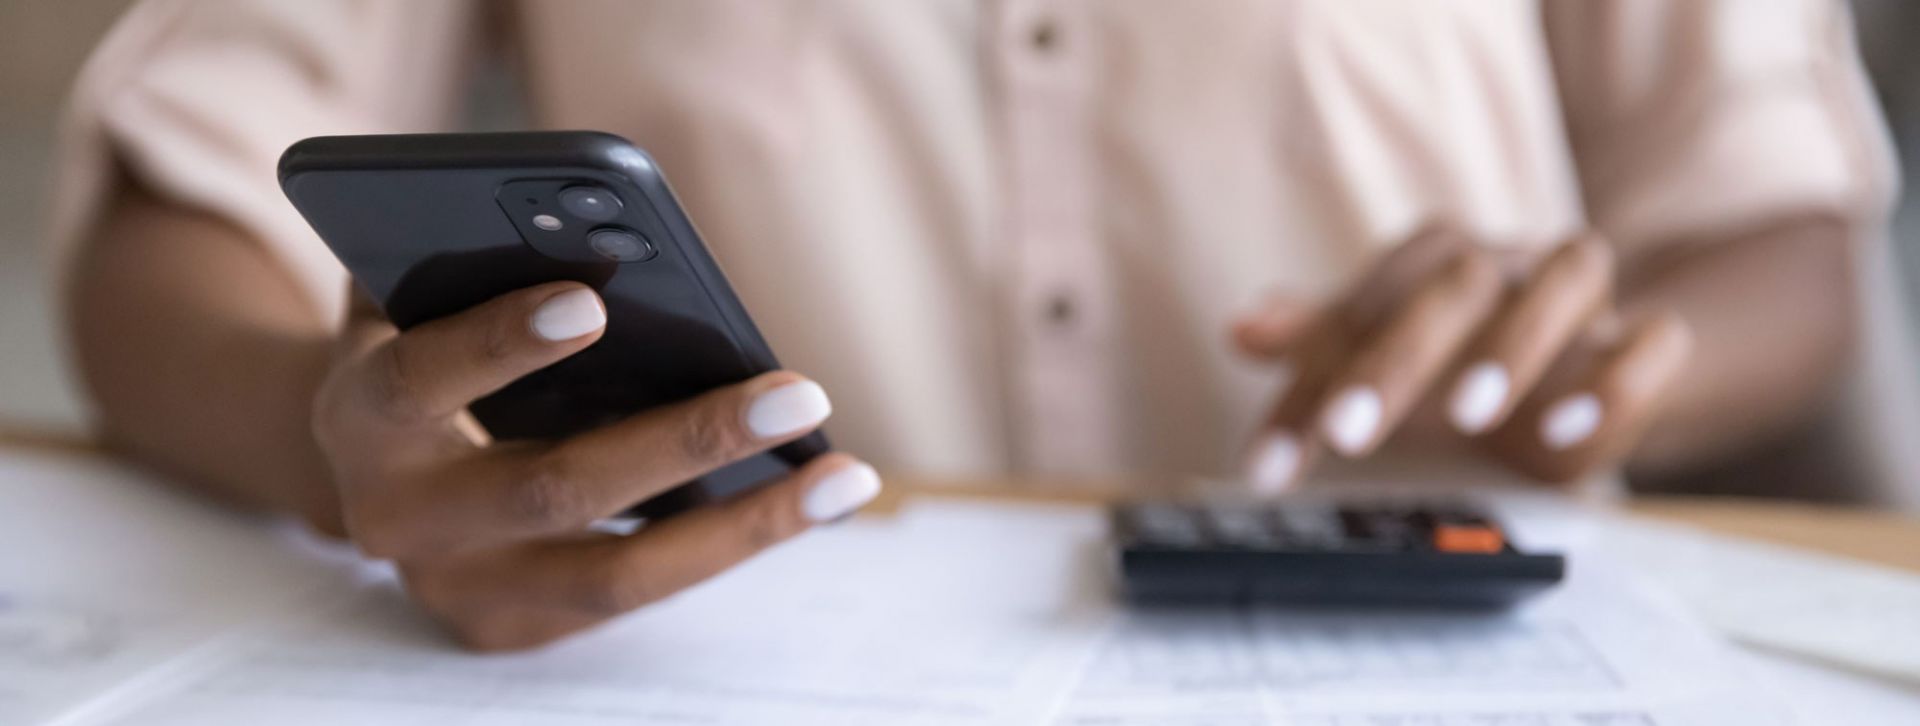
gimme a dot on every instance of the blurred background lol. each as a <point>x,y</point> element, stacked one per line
<point>42,45</point>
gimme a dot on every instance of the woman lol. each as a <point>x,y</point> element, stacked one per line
<point>1008,237</point>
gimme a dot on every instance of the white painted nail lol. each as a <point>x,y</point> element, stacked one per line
<point>838,494</point>
<point>1570,421</point>
<point>1353,419</point>
<point>1482,390</point>
<point>789,409</point>
<point>569,315</point>
<point>1274,462</point>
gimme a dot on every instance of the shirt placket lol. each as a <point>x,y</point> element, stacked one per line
<point>1059,296</point>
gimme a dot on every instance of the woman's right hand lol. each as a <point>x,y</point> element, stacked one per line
<point>493,538</point>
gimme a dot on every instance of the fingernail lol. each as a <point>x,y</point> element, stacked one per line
<point>1570,421</point>
<point>569,315</point>
<point>838,494</point>
<point>791,408</point>
<point>1478,398</point>
<point>1273,464</point>
<point>1353,418</point>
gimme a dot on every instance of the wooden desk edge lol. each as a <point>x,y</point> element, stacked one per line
<point>1882,538</point>
<point>1878,537</point>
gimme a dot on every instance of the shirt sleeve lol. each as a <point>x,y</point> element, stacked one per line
<point>197,99</point>
<point>1694,119</point>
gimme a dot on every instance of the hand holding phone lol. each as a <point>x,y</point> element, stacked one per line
<point>548,287</point>
<point>492,537</point>
<point>433,224</point>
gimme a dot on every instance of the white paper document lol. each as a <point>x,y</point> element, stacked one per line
<point>947,614</point>
<point>856,626</point>
<point>1596,652</point>
<point>1844,613</point>
<point>106,577</point>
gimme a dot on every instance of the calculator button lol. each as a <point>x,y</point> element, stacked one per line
<point>1394,535</point>
<point>1468,539</point>
<point>1308,527</point>
<point>1242,528</point>
<point>1384,528</point>
<point>1167,525</point>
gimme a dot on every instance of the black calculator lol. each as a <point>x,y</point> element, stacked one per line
<point>1450,554</point>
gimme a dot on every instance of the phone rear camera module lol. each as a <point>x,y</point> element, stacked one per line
<point>594,204</point>
<point>620,245</point>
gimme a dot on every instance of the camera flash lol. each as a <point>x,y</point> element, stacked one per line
<point>547,222</point>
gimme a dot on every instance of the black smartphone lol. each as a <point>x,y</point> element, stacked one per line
<point>432,224</point>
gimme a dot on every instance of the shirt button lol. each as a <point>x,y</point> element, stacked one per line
<point>1045,35</point>
<point>1060,309</point>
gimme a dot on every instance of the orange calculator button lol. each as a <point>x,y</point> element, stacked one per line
<point>1468,539</point>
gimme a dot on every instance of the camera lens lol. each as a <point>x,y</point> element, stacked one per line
<point>593,204</point>
<point>620,245</point>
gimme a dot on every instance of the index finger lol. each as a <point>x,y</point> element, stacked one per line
<point>436,368</point>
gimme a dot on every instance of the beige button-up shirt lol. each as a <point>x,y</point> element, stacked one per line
<point>1009,235</point>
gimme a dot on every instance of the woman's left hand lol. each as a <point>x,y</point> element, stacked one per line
<point>1536,366</point>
